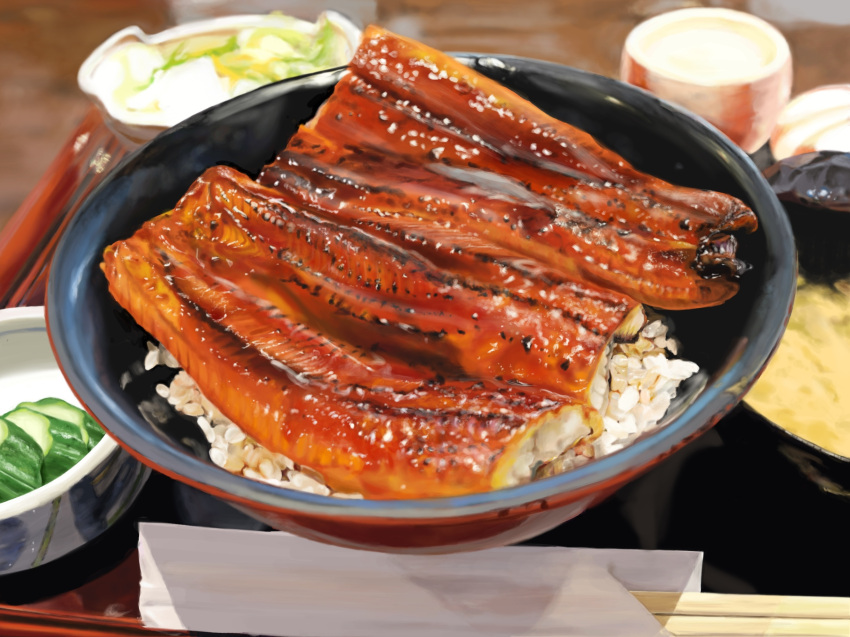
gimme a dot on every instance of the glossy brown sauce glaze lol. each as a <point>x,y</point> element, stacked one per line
<point>374,295</point>
<point>403,316</point>
<point>440,89</point>
<point>419,448</point>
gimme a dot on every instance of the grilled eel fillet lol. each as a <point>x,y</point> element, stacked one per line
<point>559,197</point>
<point>416,305</point>
<point>292,326</point>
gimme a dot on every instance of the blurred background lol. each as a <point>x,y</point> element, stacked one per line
<point>43,43</point>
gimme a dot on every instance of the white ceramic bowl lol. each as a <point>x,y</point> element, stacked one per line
<point>79,505</point>
<point>138,127</point>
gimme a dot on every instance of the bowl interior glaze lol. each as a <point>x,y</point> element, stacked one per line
<point>100,348</point>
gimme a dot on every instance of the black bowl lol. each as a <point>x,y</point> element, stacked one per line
<point>828,471</point>
<point>100,348</point>
<point>814,190</point>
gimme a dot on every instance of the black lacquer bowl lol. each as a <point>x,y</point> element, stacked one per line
<point>100,348</point>
<point>814,190</point>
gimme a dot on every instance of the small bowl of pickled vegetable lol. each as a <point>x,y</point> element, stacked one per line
<point>144,84</point>
<point>62,481</point>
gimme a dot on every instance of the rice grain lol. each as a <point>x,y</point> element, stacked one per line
<point>632,389</point>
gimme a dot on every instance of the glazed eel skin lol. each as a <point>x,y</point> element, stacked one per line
<point>555,194</point>
<point>239,288</point>
<point>425,280</point>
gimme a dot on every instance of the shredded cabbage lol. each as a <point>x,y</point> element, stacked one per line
<point>145,77</point>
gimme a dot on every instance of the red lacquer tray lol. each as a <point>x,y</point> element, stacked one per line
<point>106,603</point>
<point>761,526</point>
<point>28,240</point>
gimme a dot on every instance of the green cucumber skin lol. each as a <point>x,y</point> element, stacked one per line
<point>35,425</point>
<point>61,410</point>
<point>66,446</point>
<point>57,462</point>
<point>62,432</point>
<point>20,462</point>
<point>67,432</point>
<point>95,431</point>
<point>58,408</point>
<point>67,450</point>
<point>39,441</point>
<point>12,488</point>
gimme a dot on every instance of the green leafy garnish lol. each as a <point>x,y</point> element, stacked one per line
<point>179,56</point>
<point>267,54</point>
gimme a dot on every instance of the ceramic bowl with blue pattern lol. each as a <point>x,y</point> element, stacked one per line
<point>66,513</point>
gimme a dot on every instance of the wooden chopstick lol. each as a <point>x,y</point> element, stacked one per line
<point>717,604</point>
<point>694,626</point>
<point>36,622</point>
<point>695,614</point>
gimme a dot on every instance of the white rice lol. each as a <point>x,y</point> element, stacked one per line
<point>633,390</point>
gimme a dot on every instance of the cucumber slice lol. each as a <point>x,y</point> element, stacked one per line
<point>64,446</point>
<point>36,425</point>
<point>70,433</point>
<point>57,408</point>
<point>11,488</point>
<point>20,461</point>
<point>60,410</point>
<point>95,431</point>
<point>61,458</point>
<point>67,450</point>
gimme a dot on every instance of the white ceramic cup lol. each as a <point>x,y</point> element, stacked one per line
<point>729,67</point>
